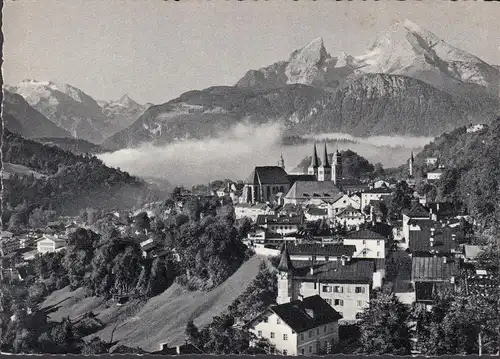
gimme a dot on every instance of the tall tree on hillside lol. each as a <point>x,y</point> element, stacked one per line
<point>401,199</point>
<point>384,326</point>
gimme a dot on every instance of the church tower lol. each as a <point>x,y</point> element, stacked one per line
<point>337,167</point>
<point>313,167</point>
<point>285,278</point>
<point>410,165</point>
<point>281,162</point>
<point>325,170</point>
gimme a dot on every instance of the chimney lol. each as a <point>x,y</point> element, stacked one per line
<point>310,312</point>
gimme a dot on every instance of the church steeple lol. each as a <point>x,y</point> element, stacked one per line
<point>281,162</point>
<point>313,167</point>
<point>285,264</point>
<point>410,165</point>
<point>326,163</point>
<point>325,170</point>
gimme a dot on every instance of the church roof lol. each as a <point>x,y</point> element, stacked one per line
<point>268,175</point>
<point>314,159</point>
<point>326,163</point>
<point>314,189</point>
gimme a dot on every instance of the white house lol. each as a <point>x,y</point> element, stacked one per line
<point>49,243</point>
<point>280,224</point>
<point>369,244</point>
<point>344,284</point>
<point>300,327</point>
<point>431,161</point>
<point>252,210</point>
<point>351,217</point>
<point>342,203</point>
<point>374,194</point>
<point>435,174</point>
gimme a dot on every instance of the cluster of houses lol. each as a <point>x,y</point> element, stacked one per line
<point>420,255</point>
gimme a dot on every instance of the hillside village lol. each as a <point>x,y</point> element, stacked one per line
<point>336,249</point>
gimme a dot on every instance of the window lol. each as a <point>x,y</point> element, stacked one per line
<point>310,349</point>
<point>317,331</point>
<point>327,258</point>
<point>327,289</point>
<point>302,351</point>
<point>348,289</point>
<point>338,289</point>
<point>378,254</point>
<point>285,352</point>
<point>310,333</point>
<point>265,320</point>
<point>315,287</point>
<point>378,243</point>
<point>328,300</point>
<point>278,321</point>
<point>285,336</point>
<point>324,329</point>
<point>272,335</point>
<point>360,290</point>
<point>259,333</point>
<point>360,303</point>
<point>364,241</point>
<point>339,302</point>
<point>302,338</point>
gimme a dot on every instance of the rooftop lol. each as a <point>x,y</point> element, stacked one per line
<point>433,269</point>
<point>334,271</point>
<point>268,175</point>
<point>263,219</point>
<point>314,189</point>
<point>302,315</point>
<point>445,239</point>
<point>365,234</point>
<point>321,249</point>
<point>417,211</point>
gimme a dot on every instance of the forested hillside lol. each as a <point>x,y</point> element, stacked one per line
<point>472,170</point>
<point>67,182</point>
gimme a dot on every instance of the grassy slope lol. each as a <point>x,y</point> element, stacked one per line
<point>162,319</point>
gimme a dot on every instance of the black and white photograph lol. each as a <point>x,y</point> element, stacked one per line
<point>257,177</point>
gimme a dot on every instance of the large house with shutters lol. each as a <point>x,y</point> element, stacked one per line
<point>344,284</point>
<point>305,326</point>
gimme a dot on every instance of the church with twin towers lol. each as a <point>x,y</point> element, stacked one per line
<point>322,179</point>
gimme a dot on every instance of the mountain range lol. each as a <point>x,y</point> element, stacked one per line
<point>408,82</point>
<point>72,110</point>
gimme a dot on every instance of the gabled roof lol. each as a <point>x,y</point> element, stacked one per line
<point>365,234</point>
<point>417,211</point>
<point>443,240</point>
<point>334,250</point>
<point>349,208</point>
<point>268,175</point>
<point>314,189</point>
<point>433,269</point>
<point>297,314</point>
<point>315,211</point>
<point>335,272</point>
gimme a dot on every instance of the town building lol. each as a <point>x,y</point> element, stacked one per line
<point>431,161</point>
<point>282,225</point>
<point>252,211</point>
<point>343,202</point>
<point>312,192</point>
<point>440,241</point>
<point>264,184</point>
<point>299,327</point>
<point>319,252</point>
<point>345,285</point>
<point>50,243</point>
<point>435,175</point>
<point>368,243</point>
<point>432,276</point>
<point>350,217</point>
<point>417,212</point>
<point>375,194</point>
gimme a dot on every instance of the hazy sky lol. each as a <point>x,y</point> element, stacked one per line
<point>154,50</point>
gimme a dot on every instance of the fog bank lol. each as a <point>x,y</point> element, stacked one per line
<point>234,154</point>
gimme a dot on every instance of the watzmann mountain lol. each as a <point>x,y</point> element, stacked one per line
<point>408,82</point>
